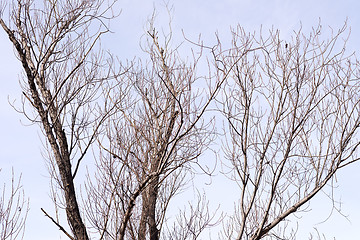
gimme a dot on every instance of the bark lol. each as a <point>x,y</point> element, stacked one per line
<point>54,133</point>
<point>143,219</point>
<point>153,194</point>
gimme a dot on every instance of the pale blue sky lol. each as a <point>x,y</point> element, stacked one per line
<point>20,146</point>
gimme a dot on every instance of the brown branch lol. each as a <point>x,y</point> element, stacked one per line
<point>57,224</point>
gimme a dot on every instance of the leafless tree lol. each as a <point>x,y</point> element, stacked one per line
<point>55,43</point>
<point>13,210</point>
<point>152,139</point>
<point>293,116</point>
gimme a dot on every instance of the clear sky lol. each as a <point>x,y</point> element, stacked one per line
<point>20,145</point>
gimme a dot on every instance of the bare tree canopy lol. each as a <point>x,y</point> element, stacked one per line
<point>293,117</point>
<point>291,112</point>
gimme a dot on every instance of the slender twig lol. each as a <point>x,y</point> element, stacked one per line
<point>57,224</point>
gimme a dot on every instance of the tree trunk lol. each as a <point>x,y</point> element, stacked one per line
<point>153,194</point>
<point>143,219</point>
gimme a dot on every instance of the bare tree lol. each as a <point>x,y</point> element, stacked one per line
<point>13,210</point>
<point>152,138</point>
<point>293,116</point>
<point>55,42</point>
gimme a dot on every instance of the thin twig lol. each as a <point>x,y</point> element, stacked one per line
<point>57,224</point>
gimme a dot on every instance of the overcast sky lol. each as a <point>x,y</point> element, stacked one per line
<point>20,145</point>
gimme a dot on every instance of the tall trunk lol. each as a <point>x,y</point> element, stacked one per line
<point>72,208</point>
<point>58,141</point>
<point>153,194</point>
<point>144,217</point>
<point>148,212</point>
<point>62,157</point>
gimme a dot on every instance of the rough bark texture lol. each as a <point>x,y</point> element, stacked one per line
<point>153,194</point>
